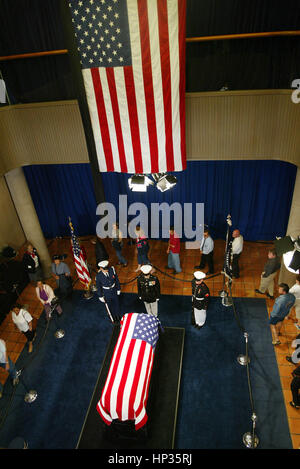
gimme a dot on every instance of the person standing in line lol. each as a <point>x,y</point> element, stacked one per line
<point>295,386</point>
<point>8,365</point>
<point>237,248</point>
<point>207,253</point>
<point>281,309</point>
<point>173,252</point>
<point>108,288</point>
<point>101,253</point>
<point>295,290</point>
<point>117,244</point>
<point>46,294</point>
<point>23,321</point>
<point>149,289</point>
<point>32,264</point>
<point>62,275</point>
<point>268,275</point>
<point>200,299</point>
<point>142,248</point>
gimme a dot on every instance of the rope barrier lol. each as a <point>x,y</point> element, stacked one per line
<point>252,440</point>
<point>6,410</point>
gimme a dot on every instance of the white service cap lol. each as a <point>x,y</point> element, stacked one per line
<point>146,269</point>
<point>199,275</point>
<point>103,264</point>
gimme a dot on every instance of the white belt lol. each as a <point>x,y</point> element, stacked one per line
<point>199,298</point>
<point>108,288</point>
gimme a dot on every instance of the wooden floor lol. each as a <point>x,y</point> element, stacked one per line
<point>251,263</point>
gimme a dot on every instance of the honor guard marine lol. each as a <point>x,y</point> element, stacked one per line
<point>200,299</point>
<point>149,289</point>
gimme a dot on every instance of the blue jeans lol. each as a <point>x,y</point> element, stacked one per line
<point>174,261</point>
<point>120,256</point>
<point>12,371</point>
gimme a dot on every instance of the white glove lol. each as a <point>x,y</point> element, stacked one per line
<point>101,298</point>
<point>119,292</point>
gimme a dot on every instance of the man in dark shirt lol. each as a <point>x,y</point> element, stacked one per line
<point>269,273</point>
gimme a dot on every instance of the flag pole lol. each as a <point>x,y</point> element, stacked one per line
<point>88,294</point>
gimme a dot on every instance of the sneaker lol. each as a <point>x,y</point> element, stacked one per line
<point>294,405</point>
<point>289,359</point>
<point>276,342</point>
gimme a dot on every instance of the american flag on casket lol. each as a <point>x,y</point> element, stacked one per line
<point>124,396</point>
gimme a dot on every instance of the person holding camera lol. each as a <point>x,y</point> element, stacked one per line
<point>46,296</point>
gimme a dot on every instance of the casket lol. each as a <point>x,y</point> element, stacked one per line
<point>125,393</point>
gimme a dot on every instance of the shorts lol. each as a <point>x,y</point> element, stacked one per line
<point>275,320</point>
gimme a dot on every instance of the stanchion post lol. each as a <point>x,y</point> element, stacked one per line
<point>250,439</point>
<point>244,359</point>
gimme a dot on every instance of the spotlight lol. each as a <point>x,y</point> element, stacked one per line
<point>164,181</point>
<point>139,183</point>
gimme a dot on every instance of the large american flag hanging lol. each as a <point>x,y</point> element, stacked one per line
<point>80,264</point>
<point>124,396</point>
<point>132,55</point>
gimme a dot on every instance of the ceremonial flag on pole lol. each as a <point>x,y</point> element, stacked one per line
<point>125,393</point>
<point>80,264</point>
<point>132,54</point>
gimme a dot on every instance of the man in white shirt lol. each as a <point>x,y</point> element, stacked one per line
<point>23,320</point>
<point>237,248</point>
<point>295,290</point>
<point>8,365</point>
<point>207,252</point>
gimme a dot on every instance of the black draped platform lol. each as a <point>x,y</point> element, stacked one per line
<point>159,431</point>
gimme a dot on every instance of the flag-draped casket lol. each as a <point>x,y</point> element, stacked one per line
<point>124,396</point>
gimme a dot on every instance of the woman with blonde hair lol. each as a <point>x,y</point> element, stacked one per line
<point>46,294</point>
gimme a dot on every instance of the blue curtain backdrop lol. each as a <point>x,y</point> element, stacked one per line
<point>60,191</point>
<point>257,195</point>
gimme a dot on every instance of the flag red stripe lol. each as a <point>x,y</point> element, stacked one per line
<point>182,32</point>
<point>137,377</point>
<point>124,331</point>
<point>133,119</point>
<point>144,396</point>
<point>102,119</point>
<point>148,84</point>
<point>166,79</point>
<point>115,107</point>
<point>124,379</point>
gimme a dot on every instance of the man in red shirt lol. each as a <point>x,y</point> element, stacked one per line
<point>173,251</point>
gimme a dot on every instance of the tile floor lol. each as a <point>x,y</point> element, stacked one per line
<point>251,264</point>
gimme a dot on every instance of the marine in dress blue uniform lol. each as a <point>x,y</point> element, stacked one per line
<point>108,288</point>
